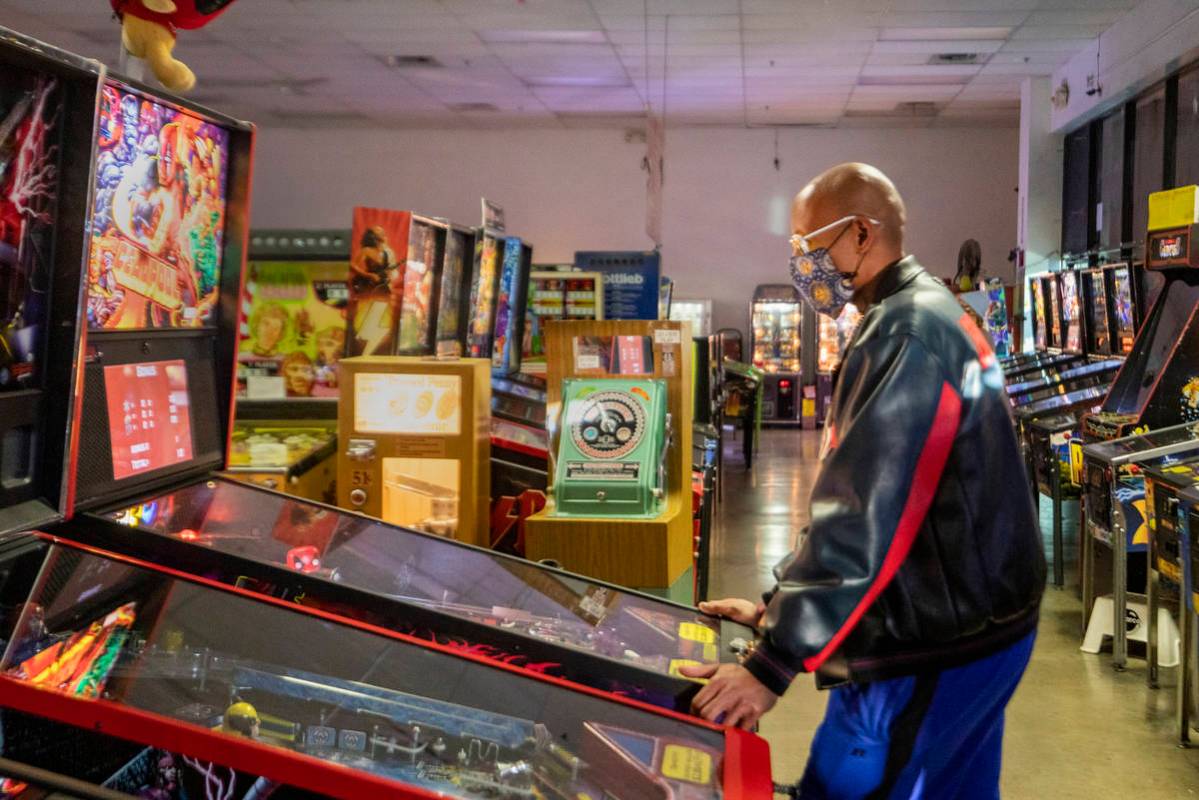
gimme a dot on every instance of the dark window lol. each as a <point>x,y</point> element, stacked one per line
<point>1110,180</point>
<point>1149,161</point>
<point>1186,153</point>
<point>1075,195</point>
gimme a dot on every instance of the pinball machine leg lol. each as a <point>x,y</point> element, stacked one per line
<point>1120,593</point>
<point>1059,568</point>
<point>1186,664</point>
<point>1086,554</point>
<point>1152,589</point>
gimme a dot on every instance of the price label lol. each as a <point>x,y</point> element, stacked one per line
<point>686,764</point>
<point>694,632</point>
<point>361,478</point>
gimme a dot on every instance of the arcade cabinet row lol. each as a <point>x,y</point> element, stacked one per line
<point>183,633</point>
<point>1129,446</point>
<point>783,329</point>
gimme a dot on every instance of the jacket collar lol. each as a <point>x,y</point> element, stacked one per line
<point>890,280</point>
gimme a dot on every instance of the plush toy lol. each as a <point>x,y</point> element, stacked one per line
<point>148,30</point>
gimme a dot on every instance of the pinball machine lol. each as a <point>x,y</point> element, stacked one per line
<point>291,340</point>
<point>108,659</point>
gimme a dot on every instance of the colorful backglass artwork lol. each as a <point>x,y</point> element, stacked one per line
<point>1071,311</point>
<point>378,263</point>
<point>1038,312</point>
<point>453,275</point>
<point>149,416</point>
<point>294,333</point>
<point>158,218</point>
<point>30,109</point>
<point>482,297</point>
<point>1125,324</point>
<point>415,318</point>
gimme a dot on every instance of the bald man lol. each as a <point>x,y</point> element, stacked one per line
<point>914,592</point>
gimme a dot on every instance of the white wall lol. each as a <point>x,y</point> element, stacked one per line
<point>726,216</point>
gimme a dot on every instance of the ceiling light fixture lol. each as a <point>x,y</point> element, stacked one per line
<point>942,34</point>
<point>543,37</point>
<point>404,61</point>
<point>578,81</point>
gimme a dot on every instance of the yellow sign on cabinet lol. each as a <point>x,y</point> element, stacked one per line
<point>1173,208</point>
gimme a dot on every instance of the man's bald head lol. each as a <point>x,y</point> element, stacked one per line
<point>846,189</point>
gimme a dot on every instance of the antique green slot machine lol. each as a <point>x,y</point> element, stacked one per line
<point>612,450</point>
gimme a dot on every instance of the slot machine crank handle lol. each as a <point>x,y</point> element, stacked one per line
<point>660,491</point>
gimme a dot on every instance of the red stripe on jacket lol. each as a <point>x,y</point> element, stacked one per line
<point>927,477</point>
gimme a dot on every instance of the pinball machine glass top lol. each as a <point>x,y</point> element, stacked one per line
<point>416,715</point>
<point>158,216</point>
<point>434,573</point>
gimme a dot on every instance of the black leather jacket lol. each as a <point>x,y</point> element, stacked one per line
<point>923,551</point>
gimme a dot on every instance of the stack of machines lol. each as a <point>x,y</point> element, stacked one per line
<point>292,337</point>
<point>832,340</point>
<point>183,633</point>
<point>777,317</point>
<point>1075,312</point>
<point>1142,446</point>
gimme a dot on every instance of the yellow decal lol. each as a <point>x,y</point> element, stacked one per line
<point>1141,536</point>
<point>687,764</point>
<point>711,652</point>
<point>677,663</point>
<point>694,632</point>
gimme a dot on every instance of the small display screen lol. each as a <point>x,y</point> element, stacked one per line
<point>149,416</point>
<point>158,220</point>
<point>386,402</point>
<point>1170,248</point>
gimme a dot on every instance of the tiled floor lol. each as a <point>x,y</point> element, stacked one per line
<point>1075,728</point>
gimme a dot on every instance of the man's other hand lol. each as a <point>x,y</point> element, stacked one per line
<point>744,611</point>
<point>733,695</point>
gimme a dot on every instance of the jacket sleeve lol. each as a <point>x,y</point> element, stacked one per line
<point>896,419</point>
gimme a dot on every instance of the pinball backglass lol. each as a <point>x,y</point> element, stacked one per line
<point>158,216</point>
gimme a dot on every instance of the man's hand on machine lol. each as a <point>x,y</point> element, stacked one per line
<point>733,695</point>
<point>745,612</point>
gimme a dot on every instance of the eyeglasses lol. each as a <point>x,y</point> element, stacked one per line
<point>801,243</point>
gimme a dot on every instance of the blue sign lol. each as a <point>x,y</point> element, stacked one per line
<point>631,281</point>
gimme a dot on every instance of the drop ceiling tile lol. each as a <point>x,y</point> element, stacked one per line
<point>704,22</point>
<point>906,93</point>
<point>1083,15</point>
<point>951,19</point>
<point>1065,46</point>
<point>702,37</point>
<point>690,6</point>
<point>1058,32</point>
<point>926,71</point>
<point>1001,69</point>
<point>1085,5</point>
<point>631,22</point>
<point>934,46</point>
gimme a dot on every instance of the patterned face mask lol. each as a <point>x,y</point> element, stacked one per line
<point>818,280</point>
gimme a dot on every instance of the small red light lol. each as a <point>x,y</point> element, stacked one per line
<point>189,534</point>
<point>784,383</point>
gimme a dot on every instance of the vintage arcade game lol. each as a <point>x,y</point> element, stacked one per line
<point>1054,382</point>
<point>833,338</point>
<point>291,339</point>
<point>484,286</point>
<point>620,428</point>
<point>1168,550</point>
<point>453,293</point>
<point>507,342</point>
<point>1073,329</point>
<point>113,656</point>
<point>1188,510</point>
<point>1116,516</point>
<point>1040,317</point>
<point>1097,312</point>
<point>47,120</point>
<point>1159,382</point>
<point>414,434</point>
<point>1124,302</point>
<point>776,319</point>
<point>557,294</point>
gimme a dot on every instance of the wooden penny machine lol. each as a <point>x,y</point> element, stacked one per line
<point>414,437</point>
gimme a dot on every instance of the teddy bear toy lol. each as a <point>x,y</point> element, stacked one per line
<point>148,29</point>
